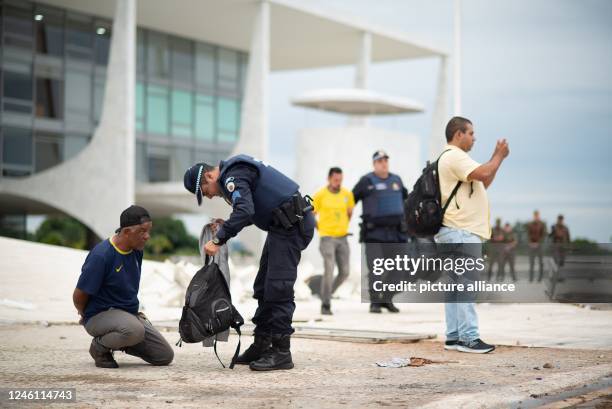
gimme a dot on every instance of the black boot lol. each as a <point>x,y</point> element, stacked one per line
<point>375,308</point>
<point>389,306</point>
<point>326,309</point>
<point>277,357</point>
<point>260,344</point>
<point>102,355</point>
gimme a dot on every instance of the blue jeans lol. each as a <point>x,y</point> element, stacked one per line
<point>461,318</point>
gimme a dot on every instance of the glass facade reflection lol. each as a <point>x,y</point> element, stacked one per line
<point>52,75</point>
<point>188,98</point>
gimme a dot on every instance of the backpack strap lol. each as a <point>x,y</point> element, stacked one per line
<point>233,361</point>
<point>455,189</point>
<point>237,349</point>
<point>216,354</point>
<point>453,193</point>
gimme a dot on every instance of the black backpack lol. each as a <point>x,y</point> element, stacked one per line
<point>208,308</point>
<point>423,208</point>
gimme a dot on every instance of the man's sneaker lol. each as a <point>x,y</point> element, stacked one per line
<point>451,345</point>
<point>475,347</point>
<point>326,309</point>
<point>102,356</point>
<point>375,308</point>
<point>389,306</point>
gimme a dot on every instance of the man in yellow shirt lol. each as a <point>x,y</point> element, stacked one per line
<point>466,221</point>
<point>333,206</point>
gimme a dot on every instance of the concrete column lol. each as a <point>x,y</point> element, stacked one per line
<point>361,74</point>
<point>440,112</point>
<point>254,116</point>
<point>98,183</point>
<point>457,58</point>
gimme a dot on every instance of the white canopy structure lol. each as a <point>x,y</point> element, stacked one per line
<point>356,101</point>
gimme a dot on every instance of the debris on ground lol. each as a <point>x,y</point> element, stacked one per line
<point>413,361</point>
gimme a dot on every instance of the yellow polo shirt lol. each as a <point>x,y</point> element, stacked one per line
<point>469,209</point>
<point>332,209</point>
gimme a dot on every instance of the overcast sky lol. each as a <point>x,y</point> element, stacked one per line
<point>534,72</point>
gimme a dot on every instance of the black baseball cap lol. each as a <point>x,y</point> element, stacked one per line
<point>380,154</point>
<point>193,180</point>
<point>132,216</point>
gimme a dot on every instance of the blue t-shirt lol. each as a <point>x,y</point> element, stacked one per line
<point>111,278</point>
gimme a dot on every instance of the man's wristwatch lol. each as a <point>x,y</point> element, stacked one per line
<point>216,241</point>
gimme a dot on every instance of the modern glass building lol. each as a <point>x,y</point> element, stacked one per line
<point>105,103</point>
<point>53,70</point>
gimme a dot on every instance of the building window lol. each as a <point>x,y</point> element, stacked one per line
<point>159,169</point>
<point>157,109</point>
<point>16,148</point>
<point>182,113</point>
<point>205,66</point>
<point>49,151</point>
<point>73,144</point>
<point>79,36</point>
<point>78,96</point>
<point>49,31</point>
<point>18,26</point>
<point>228,70</point>
<point>17,89</point>
<point>158,65</point>
<point>52,74</point>
<point>98,90</point>
<point>205,117</point>
<point>227,119</point>
<point>102,41</point>
<point>140,102</point>
<point>182,61</point>
<point>48,99</point>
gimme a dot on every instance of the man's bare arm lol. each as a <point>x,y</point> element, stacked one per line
<point>485,173</point>
<point>80,299</point>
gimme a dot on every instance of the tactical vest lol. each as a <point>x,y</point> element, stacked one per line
<point>386,197</point>
<point>271,190</point>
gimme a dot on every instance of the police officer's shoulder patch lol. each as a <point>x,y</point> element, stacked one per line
<point>229,184</point>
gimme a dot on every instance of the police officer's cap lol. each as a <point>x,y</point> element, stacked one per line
<point>193,179</point>
<point>380,154</point>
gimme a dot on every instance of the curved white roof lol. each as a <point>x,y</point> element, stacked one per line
<point>356,101</point>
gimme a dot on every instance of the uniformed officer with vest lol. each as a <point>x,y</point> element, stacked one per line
<point>263,196</point>
<point>383,221</point>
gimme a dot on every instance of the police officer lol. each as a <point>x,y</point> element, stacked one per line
<point>263,196</point>
<point>495,251</point>
<point>383,195</point>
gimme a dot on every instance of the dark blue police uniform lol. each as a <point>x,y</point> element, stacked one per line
<point>382,219</point>
<point>255,190</point>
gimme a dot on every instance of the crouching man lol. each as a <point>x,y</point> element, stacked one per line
<point>106,296</point>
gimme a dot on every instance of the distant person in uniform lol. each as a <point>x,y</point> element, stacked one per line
<point>560,237</point>
<point>495,250</point>
<point>333,206</point>
<point>536,233</point>
<point>263,196</point>
<point>106,296</point>
<point>383,222</point>
<point>508,254</point>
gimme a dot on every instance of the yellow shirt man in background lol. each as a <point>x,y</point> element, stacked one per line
<point>333,206</point>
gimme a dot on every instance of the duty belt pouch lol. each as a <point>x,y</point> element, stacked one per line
<point>292,212</point>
